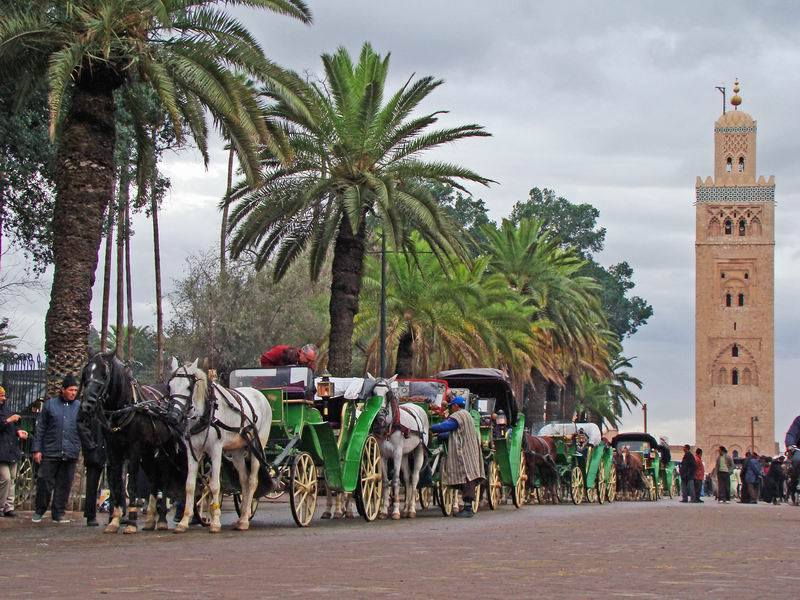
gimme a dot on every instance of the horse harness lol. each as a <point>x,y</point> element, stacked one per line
<point>396,424</point>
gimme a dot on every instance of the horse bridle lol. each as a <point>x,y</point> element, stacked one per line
<point>188,402</point>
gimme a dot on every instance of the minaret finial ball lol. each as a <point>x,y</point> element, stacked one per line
<point>736,99</point>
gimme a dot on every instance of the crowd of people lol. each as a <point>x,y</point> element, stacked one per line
<point>754,478</point>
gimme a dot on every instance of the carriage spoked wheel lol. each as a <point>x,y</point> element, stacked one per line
<point>577,488</point>
<point>23,484</point>
<point>370,480</point>
<point>600,485</point>
<point>518,491</point>
<point>675,488</point>
<point>283,484</point>
<point>591,495</point>
<point>611,485</point>
<point>448,496</point>
<point>237,504</point>
<point>649,492</point>
<point>425,497</point>
<point>494,493</point>
<point>303,488</point>
<point>202,494</point>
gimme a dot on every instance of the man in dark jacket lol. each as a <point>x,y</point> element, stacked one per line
<point>10,436</point>
<point>752,476</point>
<point>56,447</point>
<point>688,467</point>
<point>93,444</point>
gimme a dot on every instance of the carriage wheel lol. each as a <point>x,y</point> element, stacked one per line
<point>674,489</point>
<point>518,491</point>
<point>23,483</point>
<point>447,498</point>
<point>283,484</point>
<point>648,493</point>
<point>494,493</point>
<point>303,488</point>
<point>576,485</point>
<point>591,495</point>
<point>370,480</point>
<point>600,484</point>
<point>476,502</point>
<point>237,504</point>
<point>611,485</point>
<point>202,494</point>
<point>425,497</point>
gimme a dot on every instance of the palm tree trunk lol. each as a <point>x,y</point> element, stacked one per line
<point>346,273</point>
<point>85,185</point>
<point>553,402</point>
<point>107,278</point>
<point>223,231</point>
<point>157,259</point>
<point>570,398</point>
<point>537,398</point>
<point>128,292</point>
<point>124,183</point>
<point>405,355</point>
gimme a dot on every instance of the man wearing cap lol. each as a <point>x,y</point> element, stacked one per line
<point>10,436</point>
<point>56,446</point>
<point>463,464</point>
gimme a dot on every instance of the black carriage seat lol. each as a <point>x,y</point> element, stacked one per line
<point>295,391</point>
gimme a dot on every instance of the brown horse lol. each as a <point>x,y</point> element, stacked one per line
<point>540,456</point>
<point>630,473</point>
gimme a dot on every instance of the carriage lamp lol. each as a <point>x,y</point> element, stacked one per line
<point>325,391</point>
<point>501,418</point>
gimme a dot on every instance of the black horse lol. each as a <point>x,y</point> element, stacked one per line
<point>133,417</point>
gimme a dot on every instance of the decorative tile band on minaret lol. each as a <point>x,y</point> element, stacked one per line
<point>734,295</point>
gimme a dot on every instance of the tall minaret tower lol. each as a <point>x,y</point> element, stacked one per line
<point>734,317</point>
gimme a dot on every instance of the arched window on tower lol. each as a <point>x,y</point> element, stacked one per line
<point>735,351</point>
<point>741,299</point>
<point>728,227</point>
<point>741,164</point>
<point>742,226</point>
<point>729,165</point>
<point>728,299</point>
<point>735,377</point>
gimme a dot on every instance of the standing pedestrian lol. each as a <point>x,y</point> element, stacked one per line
<point>56,447</point>
<point>699,475</point>
<point>687,469</point>
<point>752,474</point>
<point>723,469</point>
<point>463,465</point>
<point>10,437</point>
<point>93,445</point>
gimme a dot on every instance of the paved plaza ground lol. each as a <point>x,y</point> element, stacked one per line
<point>626,549</point>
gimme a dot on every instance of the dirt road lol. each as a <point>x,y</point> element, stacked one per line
<point>643,550</point>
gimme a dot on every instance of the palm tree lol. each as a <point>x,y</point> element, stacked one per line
<point>534,263</point>
<point>188,52</point>
<point>356,157</point>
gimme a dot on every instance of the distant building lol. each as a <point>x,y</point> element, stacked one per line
<point>734,320</point>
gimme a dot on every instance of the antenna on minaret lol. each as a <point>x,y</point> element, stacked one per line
<point>721,88</point>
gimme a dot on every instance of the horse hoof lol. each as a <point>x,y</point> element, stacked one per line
<point>326,515</point>
<point>348,516</point>
<point>214,528</point>
<point>111,529</point>
<point>130,529</point>
<point>180,528</point>
<point>241,526</point>
<point>149,527</point>
<point>395,516</point>
<point>162,526</point>
<point>412,515</point>
<point>383,516</point>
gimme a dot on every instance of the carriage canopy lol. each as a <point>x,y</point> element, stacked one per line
<point>491,386</point>
<point>636,442</point>
<point>591,430</point>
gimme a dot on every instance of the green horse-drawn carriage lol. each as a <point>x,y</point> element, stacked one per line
<point>490,400</point>
<point>318,436</point>
<point>642,472</point>
<point>583,462</point>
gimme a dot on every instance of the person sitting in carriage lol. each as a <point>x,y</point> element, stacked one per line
<point>284,355</point>
<point>463,464</point>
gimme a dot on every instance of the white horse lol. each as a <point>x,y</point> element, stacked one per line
<point>403,431</point>
<point>219,420</point>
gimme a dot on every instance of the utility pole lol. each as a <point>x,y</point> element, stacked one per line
<point>753,421</point>
<point>644,412</point>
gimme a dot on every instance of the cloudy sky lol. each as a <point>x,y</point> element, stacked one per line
<point>610,103</point>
